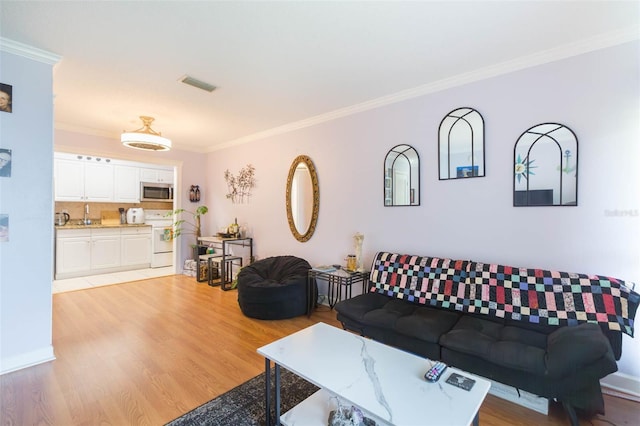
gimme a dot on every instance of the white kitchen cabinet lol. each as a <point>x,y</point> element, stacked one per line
<point>89,251</point>
<point>136,246</point>
<point>87,178</point>
<point>156,175</point>
<point>83,179</point>
<point>98,182</point>
<point>69,180</point>
<point>105,248</point>
<point>73,252</point>
<point>126,184</point>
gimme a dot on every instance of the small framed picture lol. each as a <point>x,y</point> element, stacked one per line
<point>466,171</point>
<point>5,162</point>
<point>4,228</point>
<point>6,97</point>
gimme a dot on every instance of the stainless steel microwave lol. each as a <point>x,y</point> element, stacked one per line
<point>151,191</point>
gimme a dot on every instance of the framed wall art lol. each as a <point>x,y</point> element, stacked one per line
<point>5,162</point>
<point>4,228</point>
<point>6,97</point>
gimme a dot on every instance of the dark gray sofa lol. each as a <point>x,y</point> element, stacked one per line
<point>550,333</point>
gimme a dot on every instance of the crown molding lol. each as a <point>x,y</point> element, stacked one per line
<point>20,49</point>
<point>85,130</point>
<point>552,55</point>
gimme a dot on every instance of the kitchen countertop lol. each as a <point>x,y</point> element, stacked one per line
<point>99,225</point>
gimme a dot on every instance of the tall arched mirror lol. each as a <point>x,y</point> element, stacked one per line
<point>461,145</point>
<point>302,198</point>
<point>402,177</point>
<point>546,167</point>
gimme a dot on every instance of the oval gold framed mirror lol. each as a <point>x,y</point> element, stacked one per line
<point>303,198</point>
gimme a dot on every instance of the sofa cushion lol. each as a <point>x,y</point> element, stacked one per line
<point>502,345</point>
<point>569,349</point>
<point>427,324</point>
<point>356,307</point>
<point>387,315</point>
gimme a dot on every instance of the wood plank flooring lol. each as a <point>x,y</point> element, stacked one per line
<point>145,352</point>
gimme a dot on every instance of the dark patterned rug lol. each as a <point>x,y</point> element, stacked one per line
<point>244,404</point>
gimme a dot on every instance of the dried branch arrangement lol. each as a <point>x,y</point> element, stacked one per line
<point>240,186</point>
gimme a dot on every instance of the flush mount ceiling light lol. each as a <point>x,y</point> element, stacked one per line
<point>146,138</point>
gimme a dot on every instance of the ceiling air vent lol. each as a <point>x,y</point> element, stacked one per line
<point>197,83</point>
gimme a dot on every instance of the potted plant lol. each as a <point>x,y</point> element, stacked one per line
<point>182,226</point>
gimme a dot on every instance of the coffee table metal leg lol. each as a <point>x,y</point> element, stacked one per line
<point>267,391</point>
<point>277,380</point>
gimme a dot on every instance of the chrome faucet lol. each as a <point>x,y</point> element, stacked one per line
<point>86,220</point>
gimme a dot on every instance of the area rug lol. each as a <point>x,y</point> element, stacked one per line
<point>244,404</point>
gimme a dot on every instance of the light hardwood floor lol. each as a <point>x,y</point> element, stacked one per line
<point>145,352</point>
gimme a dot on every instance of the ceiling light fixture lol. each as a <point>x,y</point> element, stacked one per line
<point>145,138</point>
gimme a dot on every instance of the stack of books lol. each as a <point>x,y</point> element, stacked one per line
<point>324,268</point>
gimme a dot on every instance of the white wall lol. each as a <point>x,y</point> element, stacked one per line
<point>26,260</point>
<point>594,94</point>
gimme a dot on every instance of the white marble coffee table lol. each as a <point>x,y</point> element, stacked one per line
<point>386,383</point>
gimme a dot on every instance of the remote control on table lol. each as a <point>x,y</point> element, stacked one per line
<point>435,372</point>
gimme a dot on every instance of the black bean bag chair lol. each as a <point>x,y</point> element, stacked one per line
<point>275,288</point>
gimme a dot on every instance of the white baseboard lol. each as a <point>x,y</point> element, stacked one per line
<point>621,385</point>
<point>617,384</point>
<point>7,365</point>
<point>520,397</point>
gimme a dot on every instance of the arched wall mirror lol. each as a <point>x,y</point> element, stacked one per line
<point>546,167</point>
<point>461,145</point>
<point>302,198</point>
<point>402,177</point>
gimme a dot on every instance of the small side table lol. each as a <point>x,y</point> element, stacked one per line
<point>223,260</point>
<point>336,280</point>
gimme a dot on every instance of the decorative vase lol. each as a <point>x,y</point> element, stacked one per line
<point>358,238</point>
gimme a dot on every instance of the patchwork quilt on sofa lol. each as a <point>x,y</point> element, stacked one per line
<point>534,295</point>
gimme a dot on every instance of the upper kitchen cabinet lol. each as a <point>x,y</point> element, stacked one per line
<point>83,178</point>
<point>156,175</point>
<point>126,184</point>
<point>88,178</point>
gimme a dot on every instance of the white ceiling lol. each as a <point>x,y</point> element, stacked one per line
<point>283,65</point>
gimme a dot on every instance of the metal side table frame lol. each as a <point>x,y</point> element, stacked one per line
<point>225,261</point>
<point>336,280</point>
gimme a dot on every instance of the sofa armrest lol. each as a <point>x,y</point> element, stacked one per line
<point>569,349</point>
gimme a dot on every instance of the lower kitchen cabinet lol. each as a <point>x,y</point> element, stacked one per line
<point>90,251</point>
<point>105,248</point>
<point>136,246</point>
<point>73,252</point>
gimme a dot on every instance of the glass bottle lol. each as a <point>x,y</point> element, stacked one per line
<point>351,263</point>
